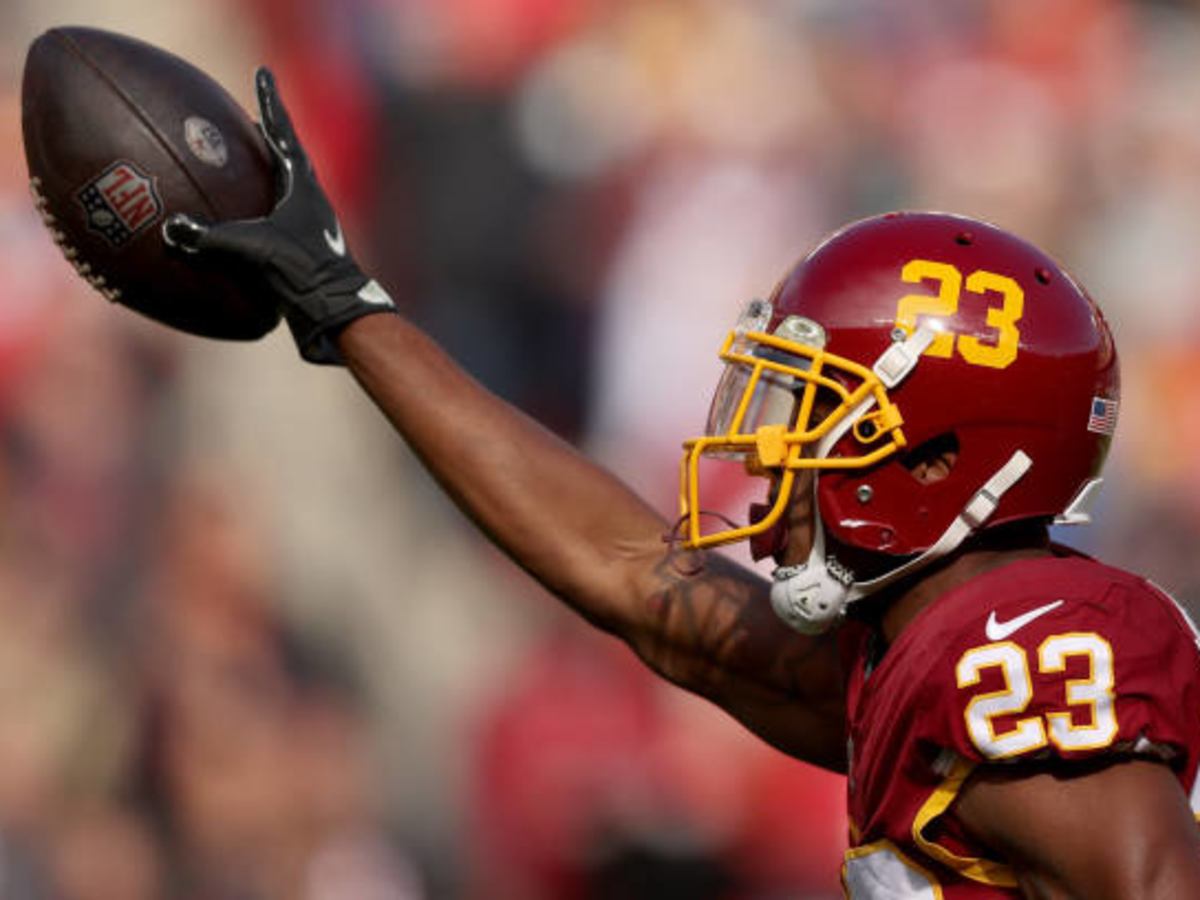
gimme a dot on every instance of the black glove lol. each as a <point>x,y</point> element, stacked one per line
<point>299,246</point>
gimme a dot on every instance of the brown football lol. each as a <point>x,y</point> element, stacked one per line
<point>119,135</point>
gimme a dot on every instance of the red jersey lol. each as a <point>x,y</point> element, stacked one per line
<point>1057,659</point>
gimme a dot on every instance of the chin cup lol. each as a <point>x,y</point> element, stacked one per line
<point>811,597</point>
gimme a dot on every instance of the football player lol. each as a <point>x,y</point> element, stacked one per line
<point>921,396</point>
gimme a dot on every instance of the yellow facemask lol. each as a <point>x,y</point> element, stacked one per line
<point>780,407</point>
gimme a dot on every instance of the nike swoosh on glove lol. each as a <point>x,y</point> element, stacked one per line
<point>299,246</point>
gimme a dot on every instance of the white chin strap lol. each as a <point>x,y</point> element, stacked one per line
<point>814,595</point>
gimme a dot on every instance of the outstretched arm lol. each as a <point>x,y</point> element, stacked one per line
<point>695,618</point>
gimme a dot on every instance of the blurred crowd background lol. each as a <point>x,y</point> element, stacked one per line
<point>247,650</point>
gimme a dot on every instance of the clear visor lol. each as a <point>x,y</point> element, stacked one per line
<point>774,399</point>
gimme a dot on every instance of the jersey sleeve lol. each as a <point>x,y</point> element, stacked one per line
<point>1044,678</point>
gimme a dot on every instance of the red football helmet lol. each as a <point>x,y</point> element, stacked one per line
<point>1013,356</point>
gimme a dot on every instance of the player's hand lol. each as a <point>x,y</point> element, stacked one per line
<point>300,246</point>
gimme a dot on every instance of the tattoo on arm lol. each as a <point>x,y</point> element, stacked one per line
<point>713,612</point>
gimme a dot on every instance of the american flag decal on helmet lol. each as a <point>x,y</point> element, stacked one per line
<point>1103,417</point>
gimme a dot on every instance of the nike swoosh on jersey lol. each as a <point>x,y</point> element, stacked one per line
<point>336,240</point>
<point>998,631</point>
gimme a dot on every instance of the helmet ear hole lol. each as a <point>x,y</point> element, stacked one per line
<point>933,460</point>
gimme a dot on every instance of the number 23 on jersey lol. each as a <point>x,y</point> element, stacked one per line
<point>996,720</point>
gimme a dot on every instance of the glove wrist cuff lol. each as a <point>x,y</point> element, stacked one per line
<point>317,340</point>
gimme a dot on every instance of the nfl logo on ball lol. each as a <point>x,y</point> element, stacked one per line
<point>120,203</point>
